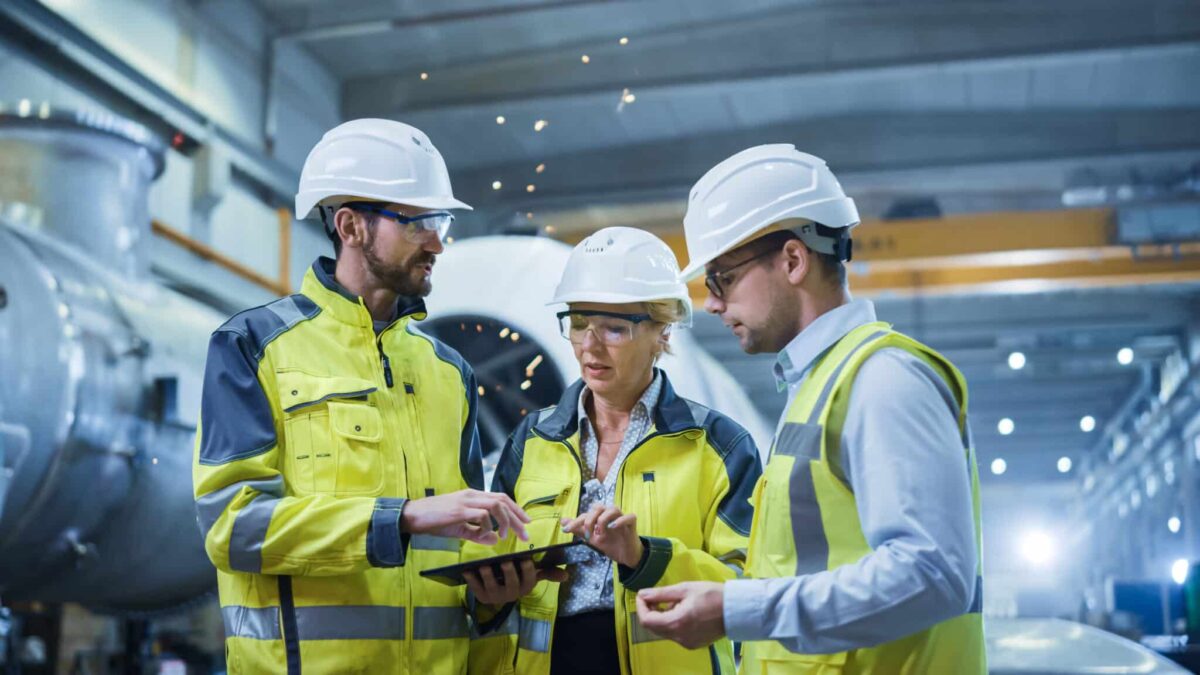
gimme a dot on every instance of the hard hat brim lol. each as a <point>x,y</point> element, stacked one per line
<point>439,203</point>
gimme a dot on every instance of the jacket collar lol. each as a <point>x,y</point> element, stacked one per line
<point>671,415</point>
<point>322,288</point>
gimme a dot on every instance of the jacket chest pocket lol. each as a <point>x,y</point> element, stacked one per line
<point>333,435</point>
<point>546,503</point>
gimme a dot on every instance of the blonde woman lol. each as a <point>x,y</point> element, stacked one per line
<point>658,485</point>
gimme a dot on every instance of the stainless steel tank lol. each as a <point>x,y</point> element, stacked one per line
<point>99,373</point>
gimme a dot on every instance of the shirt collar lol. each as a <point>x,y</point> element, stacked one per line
<point>794,362</point>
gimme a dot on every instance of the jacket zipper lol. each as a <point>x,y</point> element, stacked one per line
<point>385,366</point>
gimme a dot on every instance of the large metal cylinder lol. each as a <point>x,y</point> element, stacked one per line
<point>101,375</point>
<point>81,178</point>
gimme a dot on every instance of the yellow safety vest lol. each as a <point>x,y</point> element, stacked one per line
<point>313,432</point>
<point>806,519</point>
<point>689,482</point>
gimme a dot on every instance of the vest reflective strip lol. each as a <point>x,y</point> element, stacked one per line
<point>350,622</point>
<point>534,635</point>
<point>287,311</point>
<point>209,507</point>
<point>249,533</point>
<point>815,415</point>
<point>439,623</point>
<point>639,633</point>
<point>429,542</point>
<point>802,442</point>
<point>255,623</point>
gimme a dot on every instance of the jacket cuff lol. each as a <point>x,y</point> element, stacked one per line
<point>387,546</point>
<point>482,629</point>
<point>656,555</point>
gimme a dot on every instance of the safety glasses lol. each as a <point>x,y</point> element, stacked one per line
<point>414,228</point>
<point>610,328</point>
<point>718,282</point>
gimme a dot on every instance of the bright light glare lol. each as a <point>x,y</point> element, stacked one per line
<point>1064,464</point>
<point>1016,360</point>
<point>999,466</point>
<point>1037,547</point>
<point>1173,524</point>
<point>1005,427</point>
<point>1087,423</point>
<point>1125,356</point>
<point>1179,571</point>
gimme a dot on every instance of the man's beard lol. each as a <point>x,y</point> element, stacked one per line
<point>402,278</point>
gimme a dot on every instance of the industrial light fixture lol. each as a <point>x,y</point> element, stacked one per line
<point>1005,426</point>
<point>999,466</point>
<point>424,76</point>
<point>1173,524</point>
<point>1179,571</point>
<point>1125,356</point>
<point>1064,464</point>
<point>1037,548</point>
<point>530,188</point>
<point>539,125</point>
<point>500,119</point>
<point>496,185</point>
<point>1087,423</point>
<point>1016,360</point>
<point>540,168</point>
<point>624,41</point>
<point>628,97</point>
<point>585,58</point>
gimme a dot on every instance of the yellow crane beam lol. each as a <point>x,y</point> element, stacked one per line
<point>992,252</point>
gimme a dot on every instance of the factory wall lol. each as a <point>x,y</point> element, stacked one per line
<point>213,56</point>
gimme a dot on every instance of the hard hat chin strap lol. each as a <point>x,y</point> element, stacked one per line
<point>330,231</point>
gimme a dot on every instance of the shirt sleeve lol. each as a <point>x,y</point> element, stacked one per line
<point>903,456</point>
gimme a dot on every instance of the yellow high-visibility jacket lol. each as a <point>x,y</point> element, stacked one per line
<point>314,431</point>
<point>806,519</point>
<point>689,482</point>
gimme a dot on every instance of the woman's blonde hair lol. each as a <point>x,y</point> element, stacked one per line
<point>665,312</point>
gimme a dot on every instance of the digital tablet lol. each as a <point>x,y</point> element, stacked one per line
<point>543,558</point>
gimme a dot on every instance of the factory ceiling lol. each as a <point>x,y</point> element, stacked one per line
<point>570,115</point>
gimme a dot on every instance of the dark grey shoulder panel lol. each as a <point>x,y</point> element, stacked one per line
<point>512,458</point>
<point>742,466</point>
<point>261,325</point>
<point>235,415</point>
<point>470,455</point>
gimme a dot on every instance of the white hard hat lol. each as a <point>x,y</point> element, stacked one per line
<point>374,159</point>
<point>756,188</point>
<point>622,264</point>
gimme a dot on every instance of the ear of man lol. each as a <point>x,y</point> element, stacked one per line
<point>351,227</point>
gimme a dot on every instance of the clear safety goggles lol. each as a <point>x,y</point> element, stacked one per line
<point>414,228</point>
<point>610,328</point>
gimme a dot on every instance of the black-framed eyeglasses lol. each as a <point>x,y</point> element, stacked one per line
<point>610,328</point>
<point>417,226</point>
<point>718,282</point>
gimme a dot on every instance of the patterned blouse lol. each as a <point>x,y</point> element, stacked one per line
<point>590,586</point>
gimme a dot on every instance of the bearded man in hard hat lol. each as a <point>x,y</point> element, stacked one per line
<point>864,554</point>
<point>337,453</point>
